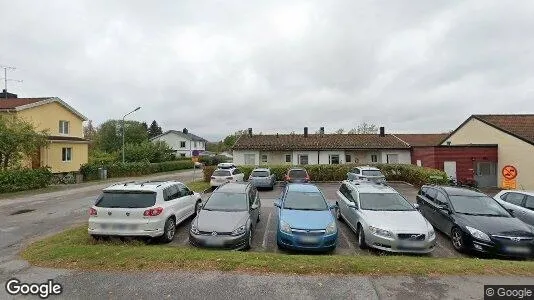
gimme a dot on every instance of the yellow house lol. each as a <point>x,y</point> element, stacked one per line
<point>514,137</point>
<point>67,149</point>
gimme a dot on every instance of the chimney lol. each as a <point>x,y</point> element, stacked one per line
<point>277,134</point>
<point>305,131</point>
<point>321,130</point>
<point>382,131</point>
<point>185,131</point>
<point>250,132</point>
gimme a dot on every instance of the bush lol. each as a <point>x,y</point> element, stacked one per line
<point>148,152</point>
<point>24,179</point>
<point>212,160</point>
<point>393,172</point>
<point>103,158</point>
<point>90,171</point>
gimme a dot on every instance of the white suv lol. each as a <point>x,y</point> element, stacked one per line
<point>150,209</point>
<point>222,176</point>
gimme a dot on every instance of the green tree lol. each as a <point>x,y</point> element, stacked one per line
<point>17,139</point>
<point>230,140</point>
<point>154,129</point>
<point>109,135</point>
<point>340,131</point>
<point>365,128</point>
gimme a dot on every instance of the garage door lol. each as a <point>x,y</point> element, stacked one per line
<point>486,174</point>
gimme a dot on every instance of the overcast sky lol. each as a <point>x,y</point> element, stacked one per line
<point>276,66</point>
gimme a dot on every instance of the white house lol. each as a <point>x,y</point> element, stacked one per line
<point>183,142</point>
<point>304,149</point>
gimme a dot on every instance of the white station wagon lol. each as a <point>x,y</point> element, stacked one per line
<point>144,209</point>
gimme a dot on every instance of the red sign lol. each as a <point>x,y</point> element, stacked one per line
<point>509,172</point>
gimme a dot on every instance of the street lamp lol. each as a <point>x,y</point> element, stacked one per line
<point>138,108</point>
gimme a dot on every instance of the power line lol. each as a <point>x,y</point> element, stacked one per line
<point>6,79</point>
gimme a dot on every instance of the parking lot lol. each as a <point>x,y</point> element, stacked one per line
<point>264,238</point>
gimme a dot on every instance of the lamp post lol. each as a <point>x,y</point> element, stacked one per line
<point>138,108</point>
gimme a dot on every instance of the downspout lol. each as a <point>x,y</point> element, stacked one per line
<point>318,157</point>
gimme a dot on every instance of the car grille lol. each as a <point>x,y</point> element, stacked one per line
<point>305,232</point>
<point>211,233</point>
<point>411,236</point>
<point>504,238</point>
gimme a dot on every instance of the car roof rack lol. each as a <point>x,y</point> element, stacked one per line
<point>123,183</point>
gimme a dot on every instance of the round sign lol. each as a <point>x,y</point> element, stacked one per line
<point>509,172</point>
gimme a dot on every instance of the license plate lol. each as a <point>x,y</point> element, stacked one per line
<point>309,240</point>
<point>104,226</point>
<point>214,243</point>
<point>120,226</point>
<point>410,244</point>
<point>517,249</point>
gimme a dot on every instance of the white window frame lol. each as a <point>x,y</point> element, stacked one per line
<point>307,159</point>
<point>266,160</point>
<point>63,124</point>
<point>330,156</point>
<point>66,154</point>
<point>349,160</point>
<point>375,156</point>
<point>182,143</point>
<point>290,158</point>
<point>248,155</point>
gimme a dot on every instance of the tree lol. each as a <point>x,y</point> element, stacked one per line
<point>154,129</point>
<point>340,131</point>
<point>109,135</point>
<point>18,138</point>
<point>230,140</point>
<point>366,128</point>
<point>145,126</point>
<point>89,131</point>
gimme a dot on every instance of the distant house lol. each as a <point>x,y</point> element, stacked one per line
<point>67,149</point>
<point>321,148</point>
<point>184,143</point>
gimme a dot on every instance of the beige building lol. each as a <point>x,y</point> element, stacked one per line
<point>514,137</point>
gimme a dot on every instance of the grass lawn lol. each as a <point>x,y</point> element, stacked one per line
<point>74,249</point>
<point>198,186</point>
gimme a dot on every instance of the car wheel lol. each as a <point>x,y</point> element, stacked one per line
<point>338,213</point>
<point>249,240</point>
<point>361,237</point>
<point>457,239</point>
<point>96,237</point>
<point>169,231</point>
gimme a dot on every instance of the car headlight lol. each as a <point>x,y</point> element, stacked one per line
<point>381,232</point>
<point>432,233</point>
<point>194,228</point>
<point>240,230</point>
<point>330,229</point>
<point>478,234</point>
<point>284,227</point>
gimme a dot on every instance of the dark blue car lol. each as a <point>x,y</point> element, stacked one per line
<point>305,219</point>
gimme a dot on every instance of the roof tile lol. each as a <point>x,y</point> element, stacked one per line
<point>522,126</point>
<point>12,103</point>
<point>422,139</point>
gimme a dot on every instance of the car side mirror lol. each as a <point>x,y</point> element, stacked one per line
<point>254,206</point>
<point>445,208</point>
<point>415,205</point>
<point>191,193</point>
<point>278,203</point>
<point>352,205</point>
<point>333,206</point>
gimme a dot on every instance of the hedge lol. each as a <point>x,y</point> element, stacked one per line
<point>90,171</point>
<point>24,179</point>
<point>393,172</point>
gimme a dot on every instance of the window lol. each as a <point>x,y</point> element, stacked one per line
<point>441,199</point>
<point>182,154</point>
<point>195,144</point>
<point>171,193</point>
<point>303,159</point>
<point>183,191</point>
<point>288,158</point>
<point>431,194</point>
<point>130,199</point>
<point>333,159</point>
<point>348,159</point>
<point>66,154</point>
<point>345,191</point>
<point>264,158</point>
<point>392,158</point>
<point>252,193</point>
<point>64,127</point>
<point>374,158</point>
<point>182,144</point>
<point>529,203</point>
<point>356,171</point>
<point>250,159</point>
<point>514,198</point>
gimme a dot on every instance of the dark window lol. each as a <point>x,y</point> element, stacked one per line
<point>222,173</point>
<point>374,158</point>
<point>372,173</point>
<point>182,144</point>
<point>182,154</point>
<point>356,171</point>
<point>348,159</point>
<point>478,205</point>
<point>305,201</point>
<point>183,191</point>
<point>288,158</point>
<point>515,198</point>
<point>529,203</point>
<point>441,199</point>
<point>384,201</point>
<point>345,191</point>
<point>66,154</point>
<point>259,174</point>
<point>226,202</point>
<point>171,193</point>
<point>126,199</point>
<point>303,159</point>
<point>264,158</point>
<point>431,194</point>
<point>333,159</point>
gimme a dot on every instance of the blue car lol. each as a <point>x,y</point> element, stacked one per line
<point>305,219</point>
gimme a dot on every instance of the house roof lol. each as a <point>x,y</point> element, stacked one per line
<point>180,133</point>
<point>18,104</point>
<point>66,138</point>
<point>318,142</point>
<point>422,139</point>
<point>520,126</point>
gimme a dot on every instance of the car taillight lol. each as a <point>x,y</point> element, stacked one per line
<point>212,177</point>
<point>92,212</point>
<point>286,177</point>
<point>230,178</point>
<point>153,212</point>
<point>308,178</point>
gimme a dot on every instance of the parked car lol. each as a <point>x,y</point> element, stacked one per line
<point>297,175</point>
<point>475,221</point>
<point>228,218</point>
<point>383,219</point>
<point>519,203</point>
<point>226,166</point>
<point>222,176</point>
<point>305,219</point>
<point>262,177</point>
<point>146,209</point>
<point>368,173</point>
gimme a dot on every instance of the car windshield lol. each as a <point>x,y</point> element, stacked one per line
<point>372,173</point>
<point>478,205</point>
<point>260,174</point>
<point>126,199</point>
<point>222,173</point>
<point>297,174</point>
<point>226,202</point>
<point>305,201</point>
<point>384,201</point>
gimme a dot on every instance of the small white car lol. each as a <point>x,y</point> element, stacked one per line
<point>222,176</point>
<point>367,173</point>
<point>144,209</point>
<point>519,203</point>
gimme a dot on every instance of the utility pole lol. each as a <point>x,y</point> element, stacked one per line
<point>6,79</point>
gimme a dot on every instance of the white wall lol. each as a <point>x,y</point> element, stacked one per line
<point>173,140</point>
<point>239,156</point>
<point>403,155</point>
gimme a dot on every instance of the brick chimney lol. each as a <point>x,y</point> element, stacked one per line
<point>305,132</point>
<point>382,131</point>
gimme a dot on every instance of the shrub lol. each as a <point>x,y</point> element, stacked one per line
<point>24,179</point>
<point>147,151</point>
<point>212,160</point>
<point>90,171</point>
<point>103,158</point>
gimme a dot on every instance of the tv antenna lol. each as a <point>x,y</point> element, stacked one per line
<point>6,79</point>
